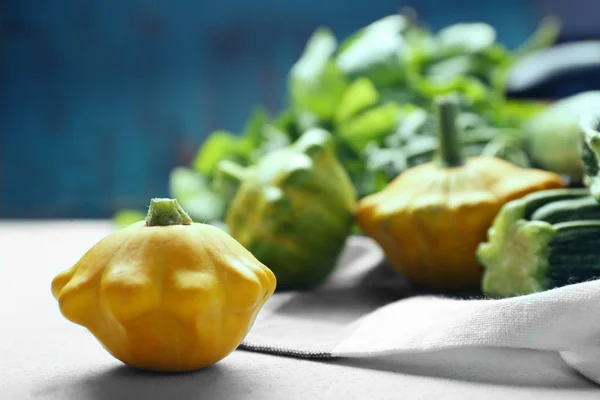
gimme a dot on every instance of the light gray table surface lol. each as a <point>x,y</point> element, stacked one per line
<point>42,355</point>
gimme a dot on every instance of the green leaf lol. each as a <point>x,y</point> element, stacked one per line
<point>494,65</point>
<point>428,72</point>
<point>206,206</point>
<point>218,146</point>
<point>307,120</point>
<point>127,217</point>
<point>421,42</point>
<point>359,95</point>
<point>370,125</point>
<point>369,182</point>
<point>185,183</point>
<point>412,121</point>
<point>316,84</point>
<point>319,48</point>
<point>228,178</point>
<point>420,145</point>
<point>252,133</point>
<point>467,121</point>
<point>372,51</point>
<point>466,38</point>
<point>514,113</point>
<point>495,55</point>
<point>471,88</point>
<point>400,95</point>
<point>389,161</point>
<point>544,36</point>
<point>195,196</point>
<point>285,121</point>
<point>506,150</point>
<point>272,139</point>
<point>224,145</point>
<point>451,68</point>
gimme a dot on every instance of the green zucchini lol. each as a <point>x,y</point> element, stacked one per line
<point>544,240</point>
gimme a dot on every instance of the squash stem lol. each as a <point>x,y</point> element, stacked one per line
<point>450,149</point>
<point>164,212</point>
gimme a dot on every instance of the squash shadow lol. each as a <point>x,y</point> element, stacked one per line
<point>343,303</point>
<point>125,382</point>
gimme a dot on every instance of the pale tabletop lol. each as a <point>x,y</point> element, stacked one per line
<point>42,355</point>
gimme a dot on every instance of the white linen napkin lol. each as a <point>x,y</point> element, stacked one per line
<point>367,310</point>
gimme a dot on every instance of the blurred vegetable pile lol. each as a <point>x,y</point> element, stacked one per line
<point>373,92</point>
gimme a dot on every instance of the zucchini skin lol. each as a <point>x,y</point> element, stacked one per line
<point>536,200</point>
<point>575,209</point>
<point>574,253</point>
<point>544,240</point>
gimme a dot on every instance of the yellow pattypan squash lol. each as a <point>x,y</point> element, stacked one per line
<point>166,294</point>
<point>430,219</point>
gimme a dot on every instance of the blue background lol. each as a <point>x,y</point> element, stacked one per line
<point>99,99</point>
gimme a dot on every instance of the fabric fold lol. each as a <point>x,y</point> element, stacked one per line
<point>367,310</point>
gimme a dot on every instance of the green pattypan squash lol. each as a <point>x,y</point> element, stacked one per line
<point>293,209</point>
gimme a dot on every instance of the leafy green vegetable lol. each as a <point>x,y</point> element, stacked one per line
<point>373,51</point>
<point>286,122</point>
<point>127,217</point>
<point>272,139</point>
<point>451,68</point>
<point>227,179</point>
<point>544,36</point>
<point>466,38</point>
<point>370,125</point>
<point>374,93</point>
<point>316,83</point>
<point>507,150</point>
<point>218,146</point>
<point>514,113</point>
<point>389,161</point>
<point>411,122</point>
<point>359,95</point>
<point>193,193</point>
<point>252,133</point>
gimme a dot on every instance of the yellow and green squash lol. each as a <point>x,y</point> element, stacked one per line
<point>293,209</point>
